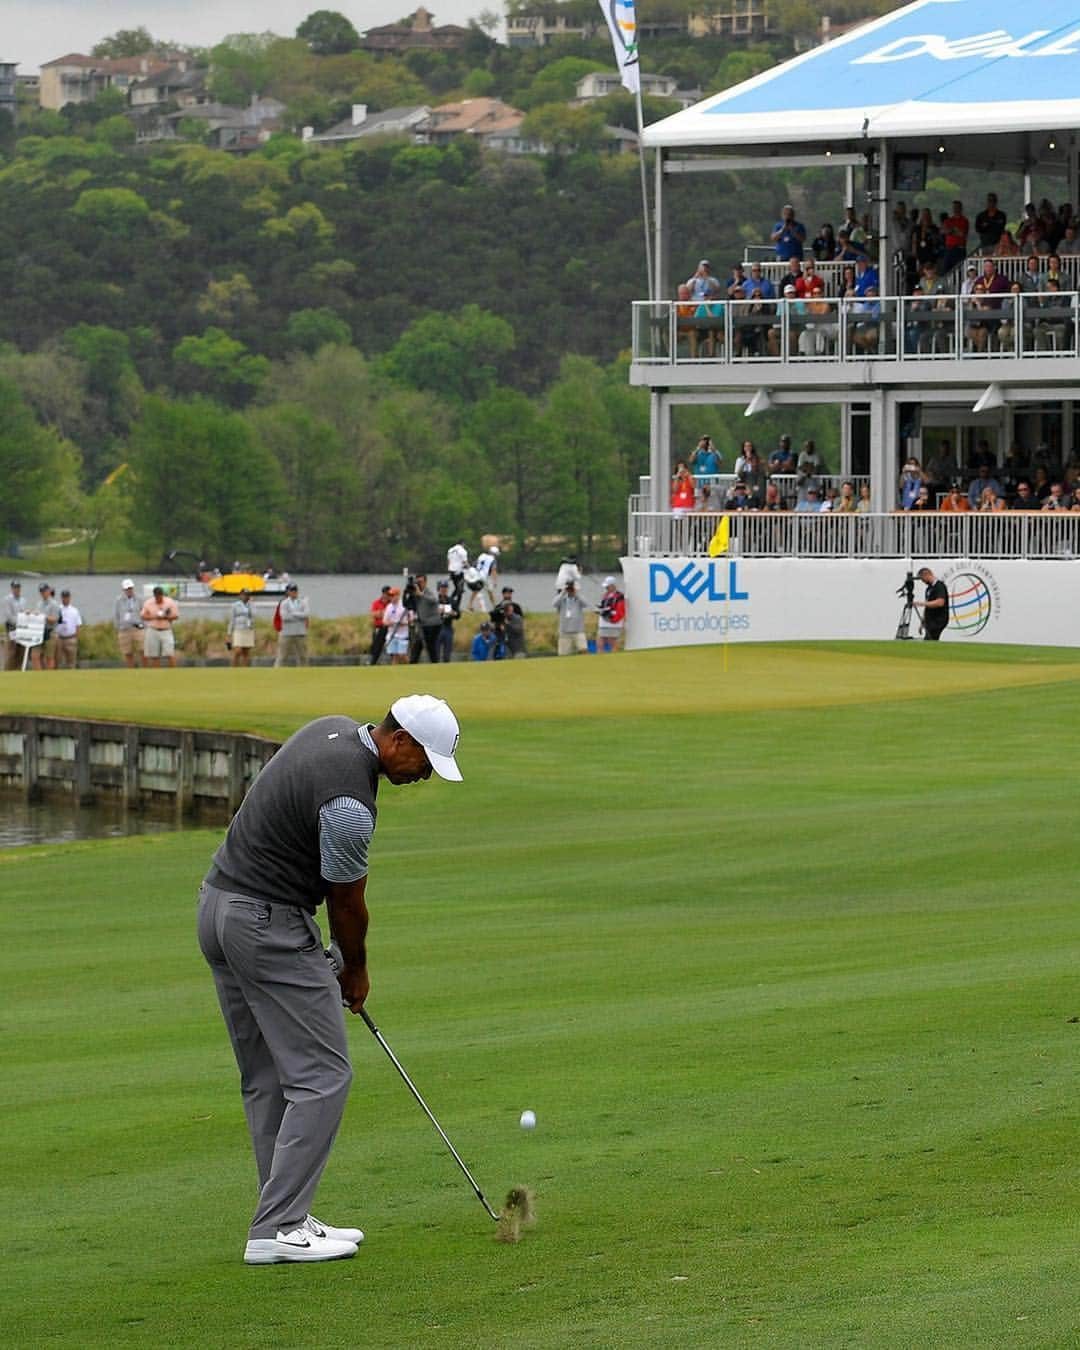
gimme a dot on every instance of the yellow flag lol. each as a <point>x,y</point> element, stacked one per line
<point>719,542</point>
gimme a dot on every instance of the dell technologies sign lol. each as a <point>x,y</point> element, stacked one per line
<point>697,598</point>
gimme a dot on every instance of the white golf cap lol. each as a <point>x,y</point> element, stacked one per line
<point>609,581</point>
<point>127,581</point>
<point>429,721</point>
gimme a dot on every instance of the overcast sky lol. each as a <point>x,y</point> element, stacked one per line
<point>33,31</point>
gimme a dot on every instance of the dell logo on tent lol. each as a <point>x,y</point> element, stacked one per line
<point>713,580</point>
<point>989,45</point>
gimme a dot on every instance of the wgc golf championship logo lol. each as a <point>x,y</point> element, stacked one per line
<point>974,599</point>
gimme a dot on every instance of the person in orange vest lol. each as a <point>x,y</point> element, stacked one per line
<point>682,490</point>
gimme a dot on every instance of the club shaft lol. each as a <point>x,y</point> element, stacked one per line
<point>424,1106</point>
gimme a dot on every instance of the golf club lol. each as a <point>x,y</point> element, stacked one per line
<point>442,1133</point>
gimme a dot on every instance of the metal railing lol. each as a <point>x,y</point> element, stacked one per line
<point>903,328</point>
<point>805,534</point>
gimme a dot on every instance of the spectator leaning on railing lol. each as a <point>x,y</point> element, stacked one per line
<point>990,222</point>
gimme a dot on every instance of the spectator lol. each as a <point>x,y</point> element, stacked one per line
<point>926,241</point>
<point>734,286</point>
<point>955,501</point>
<point>793,276</point>
<point>1052,273</point>
<point>852,227</point>
<point>979,324</point>
<point>424,603</point>
<point>711,498</point>
<point>1031,280</point>
<point>240,633</point>
<point>810,460</point>
<point>811,501</point>
<point>738,498</point>
<point>941,467</point>
<point>684,325</point>
<point>782,460</point>
<point>292,646</point>
<point>457,555</point>
<point>682,490</point>
<point>810,285</point>
<point>158,615</point>
<point>487,564</point>
<point>1076,500</point>
<point>1006,246</point>
<point>571,611</point>
<point>1069,244</point>
<point>988,500</point>
<point>14,605</point>
<point>1014,467</point>
<point>829,503</point>
<point>774,500</point>
<point>703,285</point>
<point>971,278</point>
<point>43,657</point>
<point>127,620</point>
<point>509,620</point>
<point>845,503</point>
<point>448,614</point>
<point>1040,485</point>
<point>67,633</point>
<point>378,621</point>
<point>706,460</point>
<point>928,295</point>
<point>902,221</point>
<point>1057,499</point>
<point>824,246</point>
<point>866,277</point>
<point>847,250</point>
<point>483,644</point>
<point>749,323</point>
<point>757,282</point>
<point>788,235</point>
<point>954,236</point>
<point>864,505</point>
<point>911,479</point>
<point>397,619</point>
<point>990,223</point>
<point>866,328</point>
<point>1025,499</point>
<point>612,620</point>
<point>1030,230</point>
<point>806,479</point>
<point>751,470</point>
<point>978,485</point>
<point>709,332</point>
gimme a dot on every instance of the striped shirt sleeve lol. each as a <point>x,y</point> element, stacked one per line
<point>345,829</point>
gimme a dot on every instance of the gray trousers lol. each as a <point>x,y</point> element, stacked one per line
<point>282,1006</point>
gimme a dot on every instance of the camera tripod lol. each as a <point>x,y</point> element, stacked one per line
<point>903,628</point>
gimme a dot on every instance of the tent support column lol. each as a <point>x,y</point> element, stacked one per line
<point>662,287</point>
<point>883,451</point>
<point>884,220</point>
<point>659,450</point>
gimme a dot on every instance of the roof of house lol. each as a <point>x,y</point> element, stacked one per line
<point>940,67</point>
<point>174,77</point>
<point>370,126</point>
<point>476,115</point>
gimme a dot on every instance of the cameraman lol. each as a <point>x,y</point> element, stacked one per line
<point>421,599</point>
<point>449,612</point>
<point>935,605</point>
<point>509,620</point>
<point>571,611</point>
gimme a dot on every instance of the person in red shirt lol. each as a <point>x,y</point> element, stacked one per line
<point>682,490</point>
<point>378,624</point>
<point>954,229</point>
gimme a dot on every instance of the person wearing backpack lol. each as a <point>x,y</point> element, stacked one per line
<point>612,621</point>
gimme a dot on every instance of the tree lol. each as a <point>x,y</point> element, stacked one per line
<point>104,509</point>
<point>310,329</point>
<point>118,211</point>
<point>126,42</point>
<point>202,481</point>
<point>561,128</point>
<point>455,355</point>
<point>557,82</point>
<point>32,467</point>
<point>217,364</point>
<point>505,432</point>
<point>246,64</point>
<point>328,33</point>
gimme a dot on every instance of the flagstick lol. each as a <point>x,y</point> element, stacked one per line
<point>644,186</point>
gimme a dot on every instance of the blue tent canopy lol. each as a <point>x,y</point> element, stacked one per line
<point>936,67</point>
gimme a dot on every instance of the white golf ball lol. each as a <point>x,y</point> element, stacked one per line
<point>528,1120</point>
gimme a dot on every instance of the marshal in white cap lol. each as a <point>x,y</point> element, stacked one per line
<point>430,722</point>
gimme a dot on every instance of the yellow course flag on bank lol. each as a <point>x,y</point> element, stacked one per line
<point>719,542</point>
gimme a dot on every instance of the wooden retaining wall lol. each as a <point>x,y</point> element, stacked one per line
<point>137,767</point>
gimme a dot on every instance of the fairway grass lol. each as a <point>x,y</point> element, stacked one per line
<point>783,958</point>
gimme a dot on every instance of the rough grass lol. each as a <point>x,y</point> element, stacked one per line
<point>783,959</point>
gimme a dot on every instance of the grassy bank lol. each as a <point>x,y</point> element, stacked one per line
<point>783,958</point>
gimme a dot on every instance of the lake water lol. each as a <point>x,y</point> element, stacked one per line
<point>23,822</point>
<point>332,597</point>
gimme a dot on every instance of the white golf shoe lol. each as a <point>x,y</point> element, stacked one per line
<point>302,1244</point>
<point>336,1234</point>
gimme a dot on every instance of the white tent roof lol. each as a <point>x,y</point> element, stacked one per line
<point>935,67</point>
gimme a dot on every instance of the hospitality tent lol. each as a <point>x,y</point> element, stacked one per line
<point>971,82</point>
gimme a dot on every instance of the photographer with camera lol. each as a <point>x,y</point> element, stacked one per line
<point>449,613</point>
<point>509,620</point>
<point>934,606</point>
<point>571,611</point>
<point>421,599</point>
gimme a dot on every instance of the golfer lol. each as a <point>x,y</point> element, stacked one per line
<point>302,836</point>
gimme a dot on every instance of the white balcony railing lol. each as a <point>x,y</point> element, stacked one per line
<point>797,534</point>
<point>905,328</point>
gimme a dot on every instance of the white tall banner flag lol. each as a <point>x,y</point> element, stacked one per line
<point>622,21</point>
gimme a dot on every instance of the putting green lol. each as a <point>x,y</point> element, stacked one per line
<point>783,959</point>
